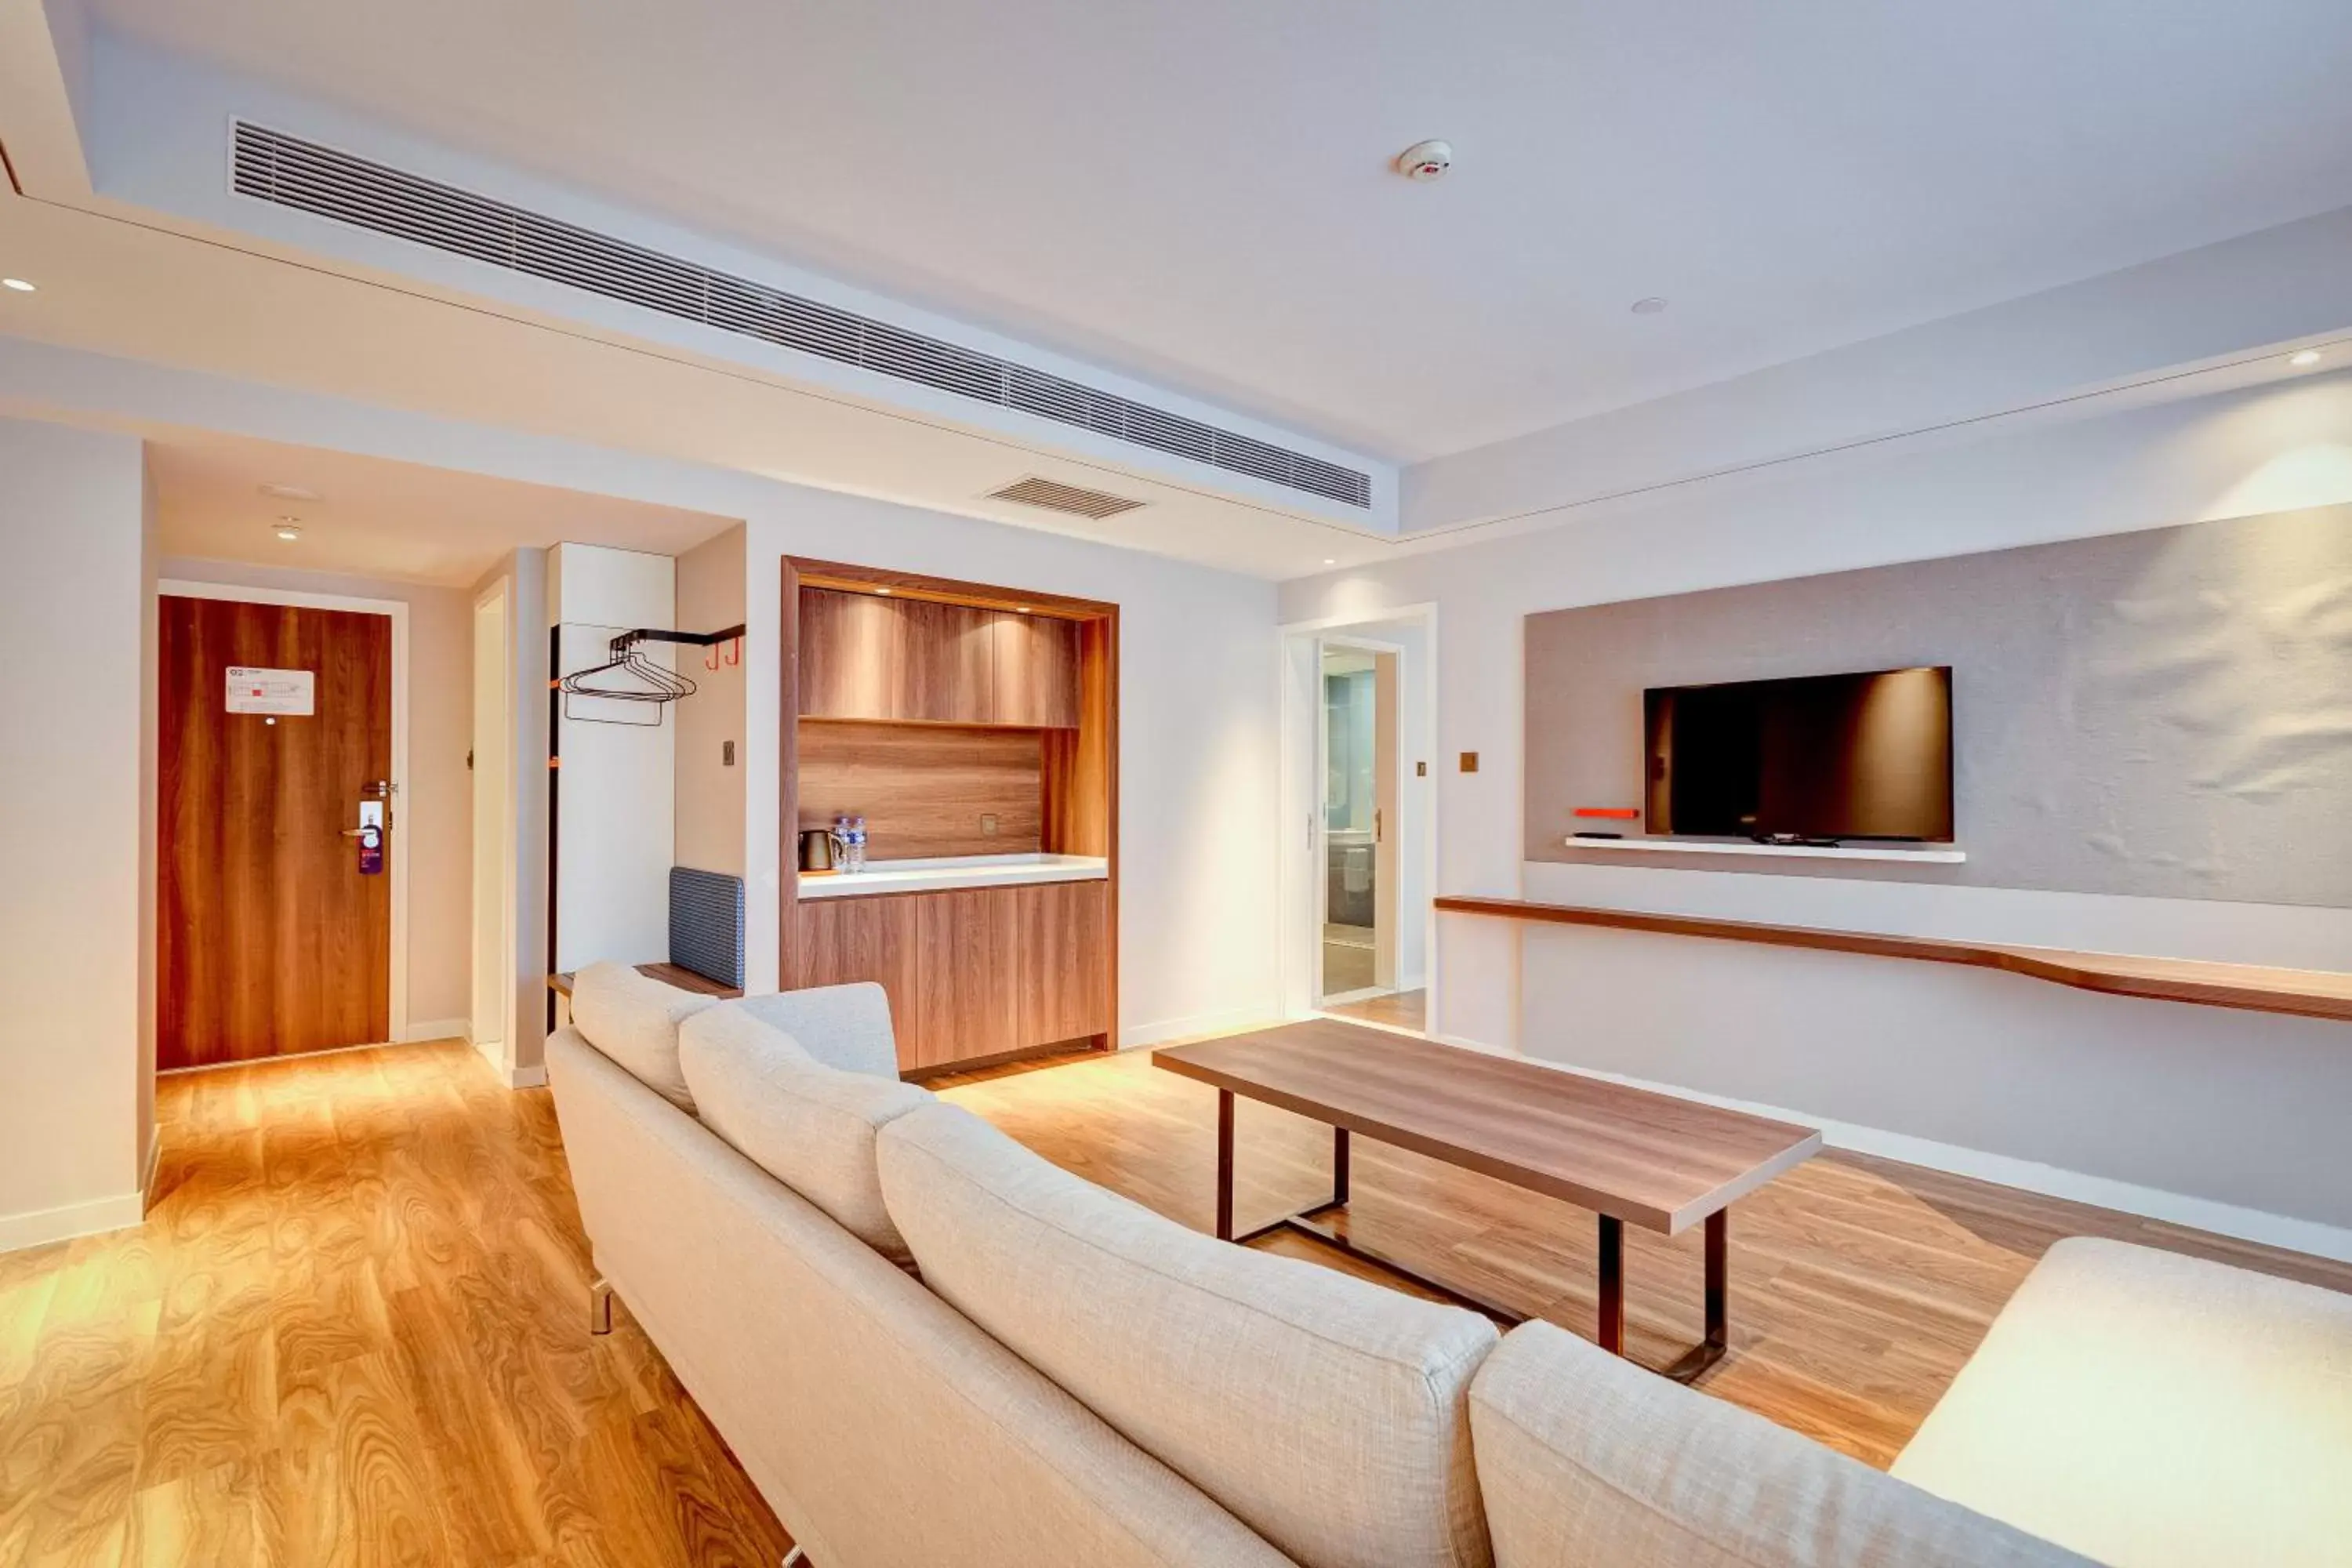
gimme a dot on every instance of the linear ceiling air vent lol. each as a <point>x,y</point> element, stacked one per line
<point>1072,498</point>
<point>271,166</point>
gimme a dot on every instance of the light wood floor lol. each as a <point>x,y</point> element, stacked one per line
<point>1858,1285</point>
<point>1400,1009</point>
<point>1348,967</point>
<point>352,1331</point>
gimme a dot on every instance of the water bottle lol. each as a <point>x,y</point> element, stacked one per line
<point>857,844</point>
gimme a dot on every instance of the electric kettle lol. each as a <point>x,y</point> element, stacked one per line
<point>821,849</point>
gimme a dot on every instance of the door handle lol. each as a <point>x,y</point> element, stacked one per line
<point>360,832</point>
<point>1376,824</point>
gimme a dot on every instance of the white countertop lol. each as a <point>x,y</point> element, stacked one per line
<point>955,871</point>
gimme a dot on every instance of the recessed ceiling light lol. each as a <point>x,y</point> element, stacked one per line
<point>288,529</point>
<point>1330,561</point>
<point>884,592</point>
<point>18,284</point>
<point>1649,307</point>
<point>2308,356</point>
<point>289,492</point>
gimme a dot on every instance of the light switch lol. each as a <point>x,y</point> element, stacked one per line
<point>726,753</point>
<point>1421,770</point>
<point>1469,761</point>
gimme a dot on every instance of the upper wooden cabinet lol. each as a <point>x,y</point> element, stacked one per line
<point>862,656</point>
<point>1036,671</point>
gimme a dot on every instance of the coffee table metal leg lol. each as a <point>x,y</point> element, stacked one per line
<point>1709,1350</point>
<point>1338,1167</point>
<point>1612,1284</point>
<point>1719,1271</point>
<point>1225,1164</point>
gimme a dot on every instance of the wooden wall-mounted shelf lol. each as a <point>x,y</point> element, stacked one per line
<point>1921,855</point>
<point>2306,993</point>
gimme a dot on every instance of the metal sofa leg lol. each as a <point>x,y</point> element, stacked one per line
<point>600,1306</point>
<point>795,1558</point>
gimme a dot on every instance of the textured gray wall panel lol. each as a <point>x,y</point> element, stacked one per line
<point>2166,713</point>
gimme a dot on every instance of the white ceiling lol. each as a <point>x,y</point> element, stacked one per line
<point>1199,194</point>
<point>378,517</point>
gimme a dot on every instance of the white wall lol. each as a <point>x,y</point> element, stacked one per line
<point>2275,448</point>
<point>616,790</point>
<point>523,574</point>
<point>150,707</point>
<point>711,799</point>
<point>1198,944</point>
<point>435,808</point>
<point>74,773</point>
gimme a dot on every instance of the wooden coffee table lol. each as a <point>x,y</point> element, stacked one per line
<point>1627,1153</point>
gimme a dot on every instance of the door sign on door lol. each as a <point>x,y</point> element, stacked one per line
<point>257,691</point>
<point>371,836</point>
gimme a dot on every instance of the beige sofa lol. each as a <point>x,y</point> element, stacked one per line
<point>929,1346</point>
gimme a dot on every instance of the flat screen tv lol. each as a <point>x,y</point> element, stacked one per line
<point>1819,757</point>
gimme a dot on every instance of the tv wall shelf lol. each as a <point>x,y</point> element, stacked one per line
<point>2307,993</point>
<point>1925,855</point>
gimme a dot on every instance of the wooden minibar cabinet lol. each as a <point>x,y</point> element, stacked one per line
<point>960,719</point>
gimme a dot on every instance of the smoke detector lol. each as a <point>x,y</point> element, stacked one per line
<point>1425,159</point>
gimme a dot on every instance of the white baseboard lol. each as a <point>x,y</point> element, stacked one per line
<point>1233,1021</point>
<point>123,1210</point>
<point>437,1029</point>
<point>495,1053</point>
<point>2284,1231</point>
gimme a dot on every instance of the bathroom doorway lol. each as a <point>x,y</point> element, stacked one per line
<point>1359,860</point>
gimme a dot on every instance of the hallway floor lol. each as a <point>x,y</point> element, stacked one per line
<point>353,1329</point>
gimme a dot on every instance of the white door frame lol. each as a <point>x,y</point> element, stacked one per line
<point>1322,852</point>
<point>397,610</point>
<point>1301,834</point>
<point>500,594</point>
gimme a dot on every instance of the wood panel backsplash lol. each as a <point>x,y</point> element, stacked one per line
<point>924,789</point>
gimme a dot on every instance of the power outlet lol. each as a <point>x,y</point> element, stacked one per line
<point>988,825</point>
<point>726,753</point>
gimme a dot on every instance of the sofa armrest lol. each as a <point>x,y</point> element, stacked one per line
<point>2149,1408</point>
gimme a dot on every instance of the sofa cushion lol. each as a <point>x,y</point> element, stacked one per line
<point>1585,1458</point>
<point>1326,1412</point>
<point>2150,1409</point>
<point>810,1126</point>
<point>845,1027</point>
<point>633,1020</point>
<point>885,1428</point>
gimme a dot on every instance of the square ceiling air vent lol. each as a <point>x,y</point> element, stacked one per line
<point>1071,499</point>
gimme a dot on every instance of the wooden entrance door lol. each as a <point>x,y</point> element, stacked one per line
<point>270,938</point>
